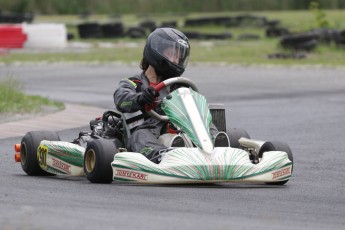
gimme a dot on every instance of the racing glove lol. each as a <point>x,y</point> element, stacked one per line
<point>147,97</point>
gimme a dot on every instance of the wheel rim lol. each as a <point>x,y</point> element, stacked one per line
<point>90,160</point>
<point>23,154</point>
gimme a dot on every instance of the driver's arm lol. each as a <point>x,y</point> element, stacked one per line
<point>126,97</point>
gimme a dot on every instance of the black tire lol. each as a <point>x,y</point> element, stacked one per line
<point>293,39</point>
<point>98,156</point>
<point>276,32</point>
<point>306,46</point>
<point>89,30</point>
<point>28,151</point>
<point>171,24</point>
<point>276,146</point>
<point>192,34</point>
<point>112,30</point>
<point>221,36</point>
<point>136,32</point>
<point>234,135</point>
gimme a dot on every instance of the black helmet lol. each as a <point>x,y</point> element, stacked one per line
<point>167,50</point>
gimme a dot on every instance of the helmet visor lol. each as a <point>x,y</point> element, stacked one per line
<point>176,52</point>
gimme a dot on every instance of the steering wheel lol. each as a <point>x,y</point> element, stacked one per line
<point>164,84</point>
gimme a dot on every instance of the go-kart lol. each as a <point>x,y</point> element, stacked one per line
<point>100,153</point>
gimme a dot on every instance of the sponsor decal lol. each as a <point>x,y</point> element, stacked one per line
<point>61,165</point>
<point>126,103</point>
<point>42,152</point>
<point>281,172</point>
<point>183,43</point>
<point>131,174</point>
<point>184,92</point>
<point>146,150</point>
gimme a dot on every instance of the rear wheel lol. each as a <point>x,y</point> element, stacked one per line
<point>98,156</point>
<point>276,146</point>
<point>28,151</point>
<point>234,135</point>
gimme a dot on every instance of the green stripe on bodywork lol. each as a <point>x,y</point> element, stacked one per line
<point>150,171</point>
<point>123,179</point>
<point>69,154</point>
<point>175,109</point>
<point>200,179</point>
<point>55,171</point>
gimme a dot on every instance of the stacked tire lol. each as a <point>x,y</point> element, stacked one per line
<point>16,17</point>
<point>273,32</point>
<point>340,39</point>
<point>112,30</point>
<point>136,32</point>
<point>225,21</point>
<point>300,42</point>
<point>326,36</point>
<point>207,36</point>
<point>89,30</point>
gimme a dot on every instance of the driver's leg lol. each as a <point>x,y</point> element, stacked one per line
<point>145,142</point>
<point>220,139</point>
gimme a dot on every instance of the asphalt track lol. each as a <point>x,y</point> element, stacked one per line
<point>304,107</point>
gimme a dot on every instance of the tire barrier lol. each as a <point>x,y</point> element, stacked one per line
<point>16,17</point>
<point>272,23</point>
<point>89,30</point>
<point>192,35</point>
<point>150,25</point>
<point>12,36</point>
<point>206,36</point>
<point>326,36</point>
<point>238,21</point>
<point>273,32</point>
<point>70,36</point>
<point>112,30</point>
<point>136,32</point>
<point>225,21</point>
<point>45,35</point>
<point>247,37</point>
<point>294,55</point>
<point>221,36</point>
<point>171,24</point>
<point>340,39</point>
<point>302,41</point>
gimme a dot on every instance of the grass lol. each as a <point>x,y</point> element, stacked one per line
<point>14,101</point>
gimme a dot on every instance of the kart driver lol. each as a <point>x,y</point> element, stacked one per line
<point>166,55</point>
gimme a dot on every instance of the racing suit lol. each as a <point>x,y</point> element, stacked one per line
<point>144,138</point>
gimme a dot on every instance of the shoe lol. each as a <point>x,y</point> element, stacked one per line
<point>157,155</point>
<point>177,141</point>
<point>221,140</point>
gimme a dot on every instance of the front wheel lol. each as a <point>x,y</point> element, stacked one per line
<point>98,156</point>
<point>234,135</point>
<point>276,146</point>
<point>28,151</point>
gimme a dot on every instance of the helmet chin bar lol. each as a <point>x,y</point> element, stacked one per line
<point>165,84</point>
<point>167,70</point>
